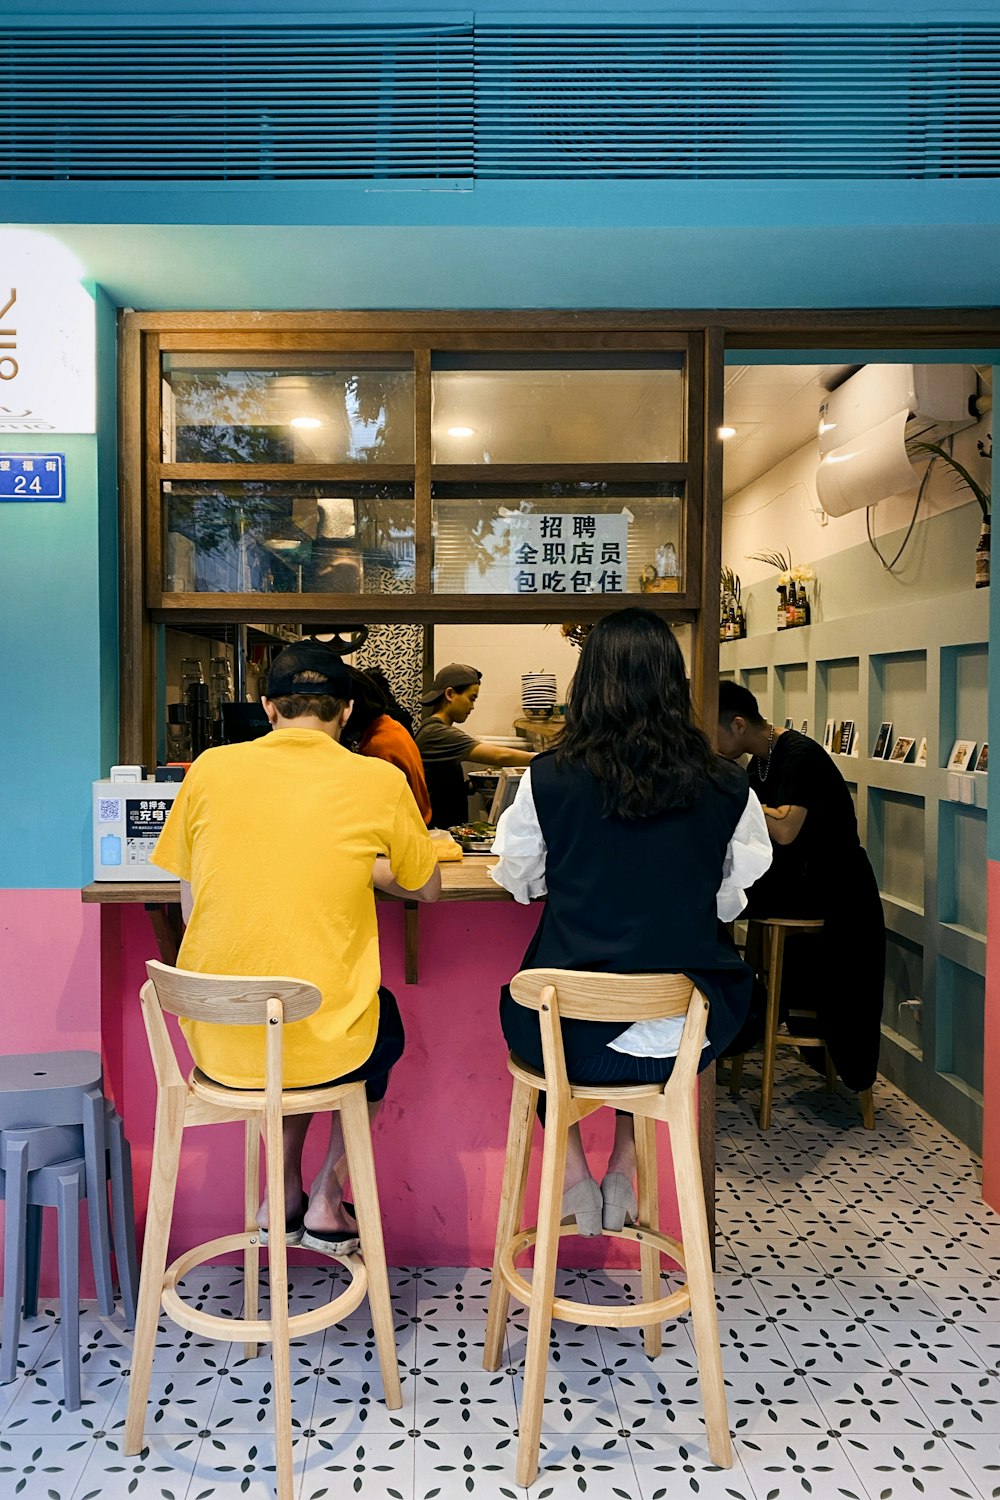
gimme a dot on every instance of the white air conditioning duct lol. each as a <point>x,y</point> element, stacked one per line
<point>866,423</point>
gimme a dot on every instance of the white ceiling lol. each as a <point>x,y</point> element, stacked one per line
<point>775,410</point>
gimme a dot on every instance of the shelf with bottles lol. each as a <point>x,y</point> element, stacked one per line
<point>794,609</point>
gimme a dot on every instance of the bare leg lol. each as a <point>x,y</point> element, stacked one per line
<point>293,1133</point>
<point>622,1158</point>
<point>576,1160</point>
<point>326,1195</point>
<point>617,1190</point>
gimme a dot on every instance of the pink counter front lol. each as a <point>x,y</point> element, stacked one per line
<point>440,1136</point>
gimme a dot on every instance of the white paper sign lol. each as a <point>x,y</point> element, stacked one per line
<point>47,341</point>
<point>576,553</point>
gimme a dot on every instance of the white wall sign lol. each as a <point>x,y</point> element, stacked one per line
<point>575,553</point>
<point>47,339</point>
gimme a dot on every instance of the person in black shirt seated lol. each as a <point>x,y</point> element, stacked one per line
<point>820,870</point>
<point>641,837</point>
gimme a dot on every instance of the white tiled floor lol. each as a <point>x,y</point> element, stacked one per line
<point>859,1284</point>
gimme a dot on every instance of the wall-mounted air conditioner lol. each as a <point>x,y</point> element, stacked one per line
<point>866,423</point>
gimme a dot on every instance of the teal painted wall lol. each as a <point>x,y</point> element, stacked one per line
<point>58,649</point>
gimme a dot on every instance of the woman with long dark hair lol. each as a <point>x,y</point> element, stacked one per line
<point>642,839</point>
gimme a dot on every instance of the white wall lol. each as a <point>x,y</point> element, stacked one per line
<point>781,510</point>
<point>502,653</point>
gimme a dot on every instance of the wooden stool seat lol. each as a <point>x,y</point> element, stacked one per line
<point>199,1100</point>
<point>770,934</point>
<point>558,993</point>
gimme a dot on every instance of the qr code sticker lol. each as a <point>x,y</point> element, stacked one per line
<point>109,810</point>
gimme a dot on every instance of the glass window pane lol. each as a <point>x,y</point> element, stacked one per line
<point>626,409</point>
<point>288,538</point>
<point>556,539</point>
<point>287,409</point>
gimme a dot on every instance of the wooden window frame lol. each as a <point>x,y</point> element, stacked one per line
<point>702,335</point>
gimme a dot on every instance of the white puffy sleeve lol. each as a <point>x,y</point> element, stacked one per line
<point>748,856</point>
<point>521,847</point>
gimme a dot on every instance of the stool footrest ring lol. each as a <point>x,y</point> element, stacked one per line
<point>638,1315</point>
<point>253,1330</point>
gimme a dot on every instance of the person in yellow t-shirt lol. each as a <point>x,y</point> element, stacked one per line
<point>277,843</point>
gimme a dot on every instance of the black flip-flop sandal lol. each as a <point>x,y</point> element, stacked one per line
<point>331,1241</point>
<point>294,1225</point>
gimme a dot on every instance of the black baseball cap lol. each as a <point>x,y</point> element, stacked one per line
<point>309,656</point>
<point>454,675</point>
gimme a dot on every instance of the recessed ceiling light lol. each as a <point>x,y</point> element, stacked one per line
<point>461,431</point>
<point>727,432</point>
<point>308,422</point>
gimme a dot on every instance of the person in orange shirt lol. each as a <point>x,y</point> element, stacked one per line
<point>373,730</point>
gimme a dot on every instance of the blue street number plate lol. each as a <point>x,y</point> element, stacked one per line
<point>32,476</point>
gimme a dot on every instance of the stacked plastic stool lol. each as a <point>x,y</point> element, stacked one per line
<point>62,1142</point>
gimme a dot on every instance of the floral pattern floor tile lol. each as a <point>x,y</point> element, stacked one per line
<point>858,1289</point>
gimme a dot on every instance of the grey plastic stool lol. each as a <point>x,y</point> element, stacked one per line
<point>55,1102</point>
<point>123,1220</point>
<point>66,1088</point>
<point>38,1173</point>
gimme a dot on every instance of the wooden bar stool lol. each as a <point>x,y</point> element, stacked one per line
<point>766,947</point>
<point>556,993</point>
<point>226,1000</point>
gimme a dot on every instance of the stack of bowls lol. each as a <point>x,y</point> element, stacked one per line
<point>538,694</point>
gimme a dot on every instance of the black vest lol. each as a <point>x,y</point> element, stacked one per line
<point>638,895</point>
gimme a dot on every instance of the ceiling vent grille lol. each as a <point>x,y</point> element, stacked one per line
<point>739,102</point>
<point>449,105</point>
<point>229,104</point>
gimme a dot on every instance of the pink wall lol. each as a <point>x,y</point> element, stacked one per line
<point>991,1058</point>
<point>441,1134</point>
<point>50,959</point>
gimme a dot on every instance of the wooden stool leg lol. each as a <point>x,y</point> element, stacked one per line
<point>776,946</point>
<point>698,1265</point>
<point>831,1072</point>
<point>361,1166</point>
<point>736,1074</point>
<point>543,1283</point>
<point>277,1261</point>
<point>15,1165</point>
<point>251,1198</point>
<point>68,1209</point>
<point>867,1099</point>
<point>515,1176</point>
<point>649,1216</point>
<point>167,1138</point>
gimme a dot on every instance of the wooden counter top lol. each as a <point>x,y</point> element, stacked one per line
<point>461,880</point>
<point>464,880</point>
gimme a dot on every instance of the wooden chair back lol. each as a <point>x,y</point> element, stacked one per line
<point>583,995</point>
<point>221,1000</point>
<point>588,996</point>
<point>229,999</point>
